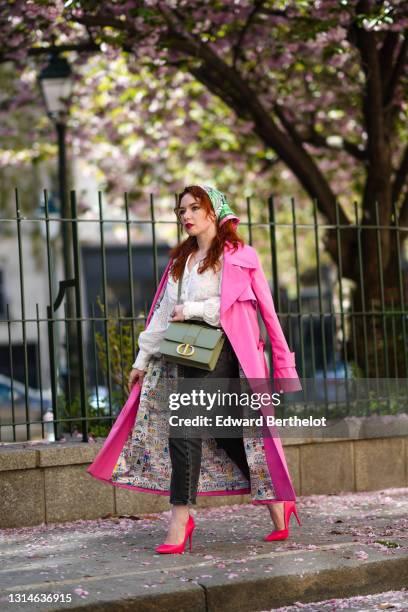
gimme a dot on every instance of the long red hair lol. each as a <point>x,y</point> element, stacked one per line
<point>225,233</point>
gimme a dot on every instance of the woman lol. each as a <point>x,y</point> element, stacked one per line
<point>223,285</point>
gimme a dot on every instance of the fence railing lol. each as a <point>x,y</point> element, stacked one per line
<point>72,304</point>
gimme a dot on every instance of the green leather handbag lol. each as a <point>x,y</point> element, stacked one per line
<point>194,344</point>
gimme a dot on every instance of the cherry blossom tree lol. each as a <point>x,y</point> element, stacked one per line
<point>318,85</point>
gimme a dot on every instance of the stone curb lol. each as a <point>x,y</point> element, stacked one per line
<point>348,576</point>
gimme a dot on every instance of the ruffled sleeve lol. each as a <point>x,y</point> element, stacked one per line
<point>208,310</point>
<point>149,339</point>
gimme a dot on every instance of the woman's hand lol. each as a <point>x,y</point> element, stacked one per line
<point>177,314</point>
<point>134,377</point>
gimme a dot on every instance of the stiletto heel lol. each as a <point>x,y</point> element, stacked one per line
<point>179,548</point>
<point>282,534</point>
<point>296,514</point>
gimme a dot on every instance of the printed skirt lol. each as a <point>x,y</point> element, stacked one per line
<point>144,462</point>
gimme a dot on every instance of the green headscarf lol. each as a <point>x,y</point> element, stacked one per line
<point>220,204</point>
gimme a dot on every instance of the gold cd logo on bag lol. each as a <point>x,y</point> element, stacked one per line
<point>185,349</point>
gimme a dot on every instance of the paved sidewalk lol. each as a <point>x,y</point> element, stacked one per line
<point>350,544</point>
<point>389,600</point>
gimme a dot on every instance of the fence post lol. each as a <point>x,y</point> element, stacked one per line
<point>50,320</point>
<point>272,238</point>
<point>78,312</point>
<point>22,302</point>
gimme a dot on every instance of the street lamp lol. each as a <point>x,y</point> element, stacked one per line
<point>56,85</point>
<point>56,82</point>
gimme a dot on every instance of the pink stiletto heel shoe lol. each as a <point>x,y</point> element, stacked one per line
<point>179,548</point>
<point>282,534</point>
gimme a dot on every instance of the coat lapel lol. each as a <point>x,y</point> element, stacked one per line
<point>235,276</point>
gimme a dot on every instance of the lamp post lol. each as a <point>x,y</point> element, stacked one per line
<point>50,231</point>
<point>56,83</point>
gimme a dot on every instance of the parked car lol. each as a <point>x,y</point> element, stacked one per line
<point>99,399</point>
<point>332,386</point>
<point>38,405</point>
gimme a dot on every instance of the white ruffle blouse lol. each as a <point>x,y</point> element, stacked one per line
<point>200,296</point>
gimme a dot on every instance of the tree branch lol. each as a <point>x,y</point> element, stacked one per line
<point>102,21</point>
<point>319,140</point>
<point>288,125</point>
<point>396,73</point>
<point>273,12</point>
<point>230,86</point>
<point>377,187</point>
<point>87,46</point>
<point>237,50</point>
<point>351,148</point>
<point>387,55</point>
<point>225,82</point>
<point>80,47</point>
<point>400,177</point>
<point>373,106</point>
<point>403,216</point>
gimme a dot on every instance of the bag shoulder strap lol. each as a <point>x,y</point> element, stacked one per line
<point>179,287</point>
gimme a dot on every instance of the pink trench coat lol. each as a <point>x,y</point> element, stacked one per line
<point>244,289</point>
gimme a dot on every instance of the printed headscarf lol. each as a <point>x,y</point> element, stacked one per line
<point>220,204</point>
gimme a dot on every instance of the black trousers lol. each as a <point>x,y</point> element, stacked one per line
<point>185,452</point>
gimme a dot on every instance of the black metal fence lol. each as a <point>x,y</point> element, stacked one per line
<point>69,325</point>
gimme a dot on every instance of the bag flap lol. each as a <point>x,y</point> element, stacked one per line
<point>204,337</point>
